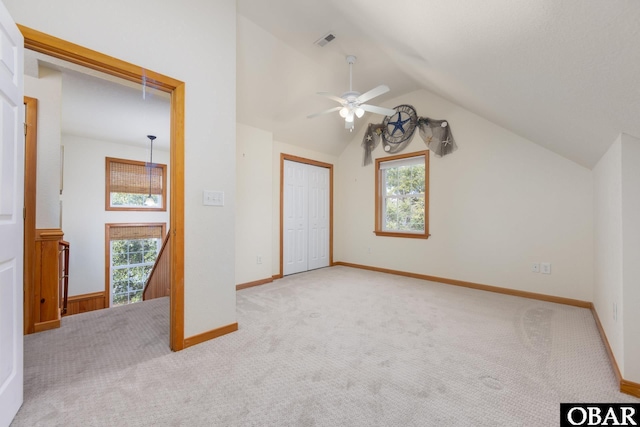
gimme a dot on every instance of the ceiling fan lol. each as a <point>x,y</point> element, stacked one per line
<point>352,102</point>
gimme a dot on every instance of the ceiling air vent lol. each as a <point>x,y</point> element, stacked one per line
<point>325,39</point>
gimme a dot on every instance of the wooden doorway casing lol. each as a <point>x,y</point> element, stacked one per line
<point>58,48</point>
<point>30,166</point>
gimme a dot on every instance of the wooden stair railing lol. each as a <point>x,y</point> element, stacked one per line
<point>159,281</point>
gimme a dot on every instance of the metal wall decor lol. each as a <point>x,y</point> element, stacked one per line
<point>396,133</point>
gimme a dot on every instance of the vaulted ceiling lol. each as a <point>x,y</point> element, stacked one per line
<point>563,74</point>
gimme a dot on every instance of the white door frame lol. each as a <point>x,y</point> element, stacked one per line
<point>329,166</point>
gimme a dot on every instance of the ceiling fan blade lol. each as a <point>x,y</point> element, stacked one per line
<point>378,110</point>
<point>330,110</point>
<point>376,91</point>
<point>332,96</point>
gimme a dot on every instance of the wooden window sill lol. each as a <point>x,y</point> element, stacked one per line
<point>397,234</point>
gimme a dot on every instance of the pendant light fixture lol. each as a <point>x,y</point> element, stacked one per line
<point>149,201</point>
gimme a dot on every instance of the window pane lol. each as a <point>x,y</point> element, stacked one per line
<point>404,180</point>
<point>135,200</point>
<point>135,296</point>
<point>392,180</point>
<point>120,286</point>
<point>120,299</point>
<point>119,259</point>
<point>417,214</point>
<point>120,274</point>
<point>391,214</point>
<point>135,258</point>
<point>150,245</point>
<point>150,250</point>
<point>418,180</point>
<point>403,198</point>
<point>404,214</point>
<point>132,262</point>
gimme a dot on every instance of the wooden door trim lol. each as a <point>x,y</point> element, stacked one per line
<point>283,157</point>
<point>30,186</point>
<point>62,49</point>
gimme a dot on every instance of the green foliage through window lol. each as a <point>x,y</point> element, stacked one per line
<point>134,200</point>
<point>131,263</point>
<point>403,198</point>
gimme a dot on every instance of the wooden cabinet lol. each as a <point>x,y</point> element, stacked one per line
<point>44,305</point>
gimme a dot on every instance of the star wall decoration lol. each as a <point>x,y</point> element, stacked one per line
<point>396,132</point>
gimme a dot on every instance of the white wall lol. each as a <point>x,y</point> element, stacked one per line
<point>84,215</point>
<point>192,41</point>
<point>630,314</point>
<point>617,242</point>
<point>258,204</point>
<point>278,149</point>
<point>47,89</point>
<point>607,179</point>
<point>254,205</point>
<point>497,205</point>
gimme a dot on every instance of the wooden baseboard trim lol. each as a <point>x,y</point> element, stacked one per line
<point>276,276</point>
<point>209,335</point>
<point>45,326</point>
<point>605,340</point>
<point>488,288</point>
<point>628,387</point>
<point>254,283</point>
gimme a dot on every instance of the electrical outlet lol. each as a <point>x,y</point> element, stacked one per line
<point>258,259</point>
<point>368,250</point>
<point>535,267</point>
<point>545,267</point>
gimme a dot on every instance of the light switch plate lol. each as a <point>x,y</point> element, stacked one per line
<point>545,267</point>
<point>213,198</point>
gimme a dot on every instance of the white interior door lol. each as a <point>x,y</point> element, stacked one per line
<point>305,217</point>
<point>318,217</point>
<point>295,215</point>
<point>11,220</point>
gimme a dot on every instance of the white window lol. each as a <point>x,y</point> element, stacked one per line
<point>132,249</point>
<point>402,195</point>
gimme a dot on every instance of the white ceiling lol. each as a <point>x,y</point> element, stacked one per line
<point>564,74</point>
<point>104,108</point>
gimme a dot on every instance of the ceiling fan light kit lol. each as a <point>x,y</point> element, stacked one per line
<point>353,103</point>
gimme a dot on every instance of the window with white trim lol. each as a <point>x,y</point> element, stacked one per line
<point>402,195</point>
<point>132,252</point>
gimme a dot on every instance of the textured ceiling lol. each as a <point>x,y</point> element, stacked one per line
<point>564,74</point>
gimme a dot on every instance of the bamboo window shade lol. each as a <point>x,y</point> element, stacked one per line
<point>127,176</point>
<point>136,232</point>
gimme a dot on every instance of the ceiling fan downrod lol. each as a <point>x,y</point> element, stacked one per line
<point>351,59</point>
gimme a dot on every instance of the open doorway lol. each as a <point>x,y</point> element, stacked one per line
<point>147,79</point>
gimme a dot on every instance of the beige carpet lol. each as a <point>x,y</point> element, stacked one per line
<point>331,347</point>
